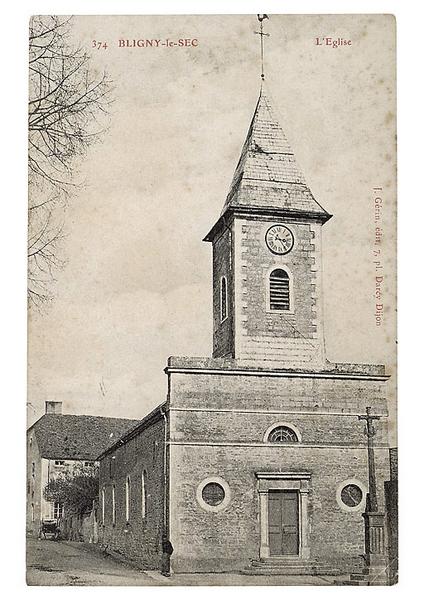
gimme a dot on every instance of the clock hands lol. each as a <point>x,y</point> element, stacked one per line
<point>283,241</point>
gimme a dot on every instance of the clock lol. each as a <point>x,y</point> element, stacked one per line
<point>279,239</point>
<point>351,495</point>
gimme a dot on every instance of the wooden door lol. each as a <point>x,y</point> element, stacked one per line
<point>283,523</point>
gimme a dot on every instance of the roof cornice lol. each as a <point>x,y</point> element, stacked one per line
<point>251,371</point>
<point>155,415</point>
<point>262,211</point>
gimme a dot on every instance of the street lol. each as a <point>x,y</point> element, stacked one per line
<point>74,563</point>
<point>71,563</point>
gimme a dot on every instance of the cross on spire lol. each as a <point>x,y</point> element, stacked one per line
<point>261,19</point>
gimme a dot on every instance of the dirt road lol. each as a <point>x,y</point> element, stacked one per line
<point>73,563</point>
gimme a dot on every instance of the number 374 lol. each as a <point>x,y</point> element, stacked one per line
<point>99,45</point>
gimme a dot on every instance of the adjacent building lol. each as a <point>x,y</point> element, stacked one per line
<point>256,460</point>
<point>57,443</point>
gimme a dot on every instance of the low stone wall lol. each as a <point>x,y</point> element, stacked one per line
<point>80,528</point>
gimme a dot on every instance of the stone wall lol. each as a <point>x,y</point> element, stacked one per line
<point>318,392</point>
<point>139,538</point>
<point>292,337</point>
<point>33,485</point>
<point>230,539</point>
<point>218,423</point>
<point>391,489</point>
<point>223,334</point>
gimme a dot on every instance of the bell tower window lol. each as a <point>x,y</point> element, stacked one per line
<point>279,290</point>
<point>224,299</point>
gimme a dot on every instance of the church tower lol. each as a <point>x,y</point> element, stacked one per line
<point>267,263</point>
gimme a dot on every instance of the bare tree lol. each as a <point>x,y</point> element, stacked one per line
<point>67,102</point>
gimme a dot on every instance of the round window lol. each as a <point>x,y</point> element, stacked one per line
<point>213,494</point>
<point>351,495</point>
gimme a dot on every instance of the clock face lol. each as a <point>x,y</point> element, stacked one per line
<point>279,239</point>
<point>351,495</point>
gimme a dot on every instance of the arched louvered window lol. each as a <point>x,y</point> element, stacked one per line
<point>224,299</point>
<point>279,290</point>
<point>282,434</point>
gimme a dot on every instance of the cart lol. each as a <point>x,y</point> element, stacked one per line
<point>49,529</point>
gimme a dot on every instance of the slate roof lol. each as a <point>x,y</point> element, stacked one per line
<point>78,437</point>
<point>267,174</point>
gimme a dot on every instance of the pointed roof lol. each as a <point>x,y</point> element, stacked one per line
<point>267,177</point>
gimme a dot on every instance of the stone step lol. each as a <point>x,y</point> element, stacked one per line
<point>350,582</point>
<point>285,567</point>
<point>359,577</point>
<point>293,571</point>
<point>281,562</point>
<point>364,577</point>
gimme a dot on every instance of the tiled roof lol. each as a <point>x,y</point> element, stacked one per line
<point>267,174</point>
<point>78,437</point>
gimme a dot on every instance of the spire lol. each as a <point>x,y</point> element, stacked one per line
<point>267,175</point>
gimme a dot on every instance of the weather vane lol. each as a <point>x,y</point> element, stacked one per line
<point>261,19</point>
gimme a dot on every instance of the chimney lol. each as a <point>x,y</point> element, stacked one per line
<point>53,408</point>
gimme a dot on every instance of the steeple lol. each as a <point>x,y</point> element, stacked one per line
<point>267,262</point>
<point>267,174</point>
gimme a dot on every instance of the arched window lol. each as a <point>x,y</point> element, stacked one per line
<point>113,505</point>
<point>279,290</point>
<point>282,434</point>
<point>143,494</point>
<point>103,506</point>
<point>127,498</point>
<point>224,299</point>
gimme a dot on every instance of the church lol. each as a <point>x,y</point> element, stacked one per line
<point>257,460</point>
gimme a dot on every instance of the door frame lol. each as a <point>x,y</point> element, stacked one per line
<point>280,481</point>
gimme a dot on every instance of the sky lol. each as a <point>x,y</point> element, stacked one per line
<point>137,284</point>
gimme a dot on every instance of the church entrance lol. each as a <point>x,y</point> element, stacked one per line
<point>283,522</point>
<point>284,514</point>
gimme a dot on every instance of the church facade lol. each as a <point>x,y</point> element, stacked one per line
<point>257,459</point>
